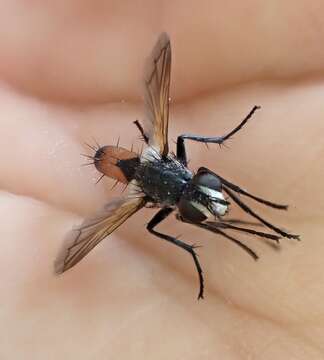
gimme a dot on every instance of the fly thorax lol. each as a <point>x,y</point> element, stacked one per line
<point>162,179</point>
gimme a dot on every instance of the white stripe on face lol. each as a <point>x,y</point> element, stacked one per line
<point>220,209</point>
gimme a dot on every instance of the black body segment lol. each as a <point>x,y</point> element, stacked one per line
<point>163,180</point>
<point>207,179</point>
<point>129,167</point>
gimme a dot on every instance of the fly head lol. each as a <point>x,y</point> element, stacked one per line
<point>202,198</point>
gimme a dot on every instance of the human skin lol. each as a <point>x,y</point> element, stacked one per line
<point>71,72</point>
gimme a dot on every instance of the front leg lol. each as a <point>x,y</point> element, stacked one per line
<point>181,151</point>
<point>159,217</point>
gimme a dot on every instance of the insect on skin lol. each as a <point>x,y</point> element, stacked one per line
<point>158,178</point>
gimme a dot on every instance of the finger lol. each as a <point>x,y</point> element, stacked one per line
<point>98,61</point>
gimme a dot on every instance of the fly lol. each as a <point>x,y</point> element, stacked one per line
<point>162,179</point>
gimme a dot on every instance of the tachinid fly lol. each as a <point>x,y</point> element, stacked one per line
<point>162,179</point>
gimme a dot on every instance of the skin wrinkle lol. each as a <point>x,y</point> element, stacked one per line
<point>282,326</point>
<point>290,329</point>
<point>135,318</point>
<point>293,329</point>
<point>137,100</point>
<point>257,14</point>
<point>274,342</point>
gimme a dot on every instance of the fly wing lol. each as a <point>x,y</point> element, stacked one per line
<point>157,84</point>
<point>80,241</point>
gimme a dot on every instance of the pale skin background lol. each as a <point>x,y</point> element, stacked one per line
<point>71,70</point>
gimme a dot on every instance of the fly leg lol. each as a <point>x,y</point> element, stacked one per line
<point>141,130</point>
<point>181,151</point>
<point>249,211</point>
<point>232,221</point>
<point>235,241</point>
<point>224,225</point>
<point>159,217</point>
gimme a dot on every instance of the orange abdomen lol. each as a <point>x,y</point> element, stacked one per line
<point>116,162</point>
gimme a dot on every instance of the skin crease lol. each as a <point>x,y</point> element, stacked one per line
<point>70,72</point>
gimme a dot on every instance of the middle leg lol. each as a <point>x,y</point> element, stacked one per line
<point>181,151</point>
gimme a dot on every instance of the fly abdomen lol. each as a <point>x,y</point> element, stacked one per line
<point>116,162</point>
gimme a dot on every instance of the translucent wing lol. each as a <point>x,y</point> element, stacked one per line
<point>82,240</point>
<point>157,84</point>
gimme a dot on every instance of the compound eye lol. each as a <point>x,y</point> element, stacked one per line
<point>189,212</point>
<point>208,180</point>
